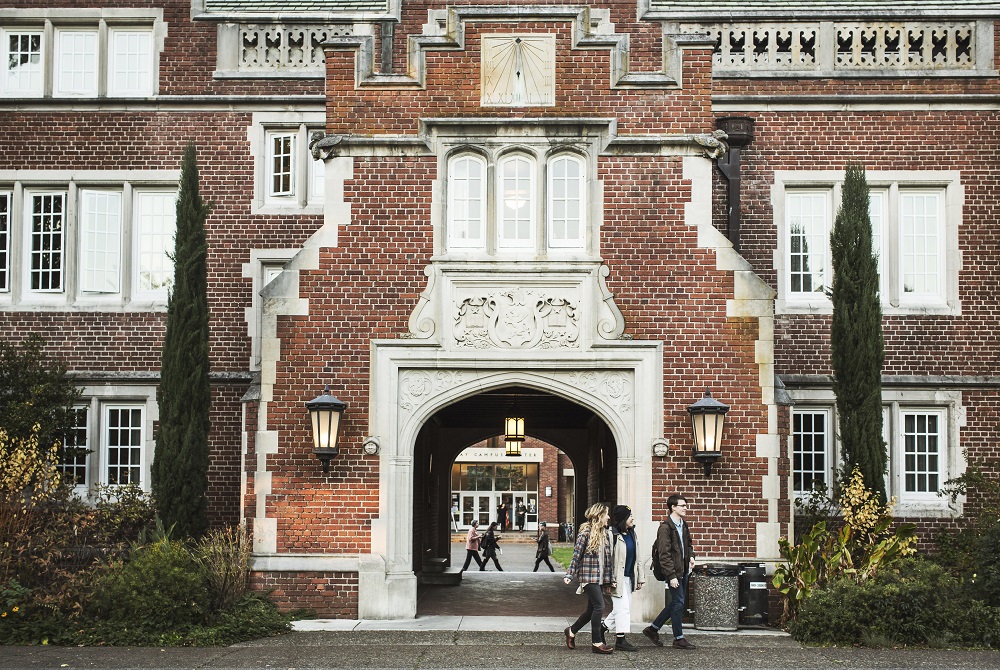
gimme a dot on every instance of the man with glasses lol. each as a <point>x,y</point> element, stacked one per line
<point>676,558</point>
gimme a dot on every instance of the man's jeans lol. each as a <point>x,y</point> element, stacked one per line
<point>675,610</point>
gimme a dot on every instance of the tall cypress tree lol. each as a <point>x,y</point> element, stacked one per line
<point>856,336</point>
<point>180,466</point>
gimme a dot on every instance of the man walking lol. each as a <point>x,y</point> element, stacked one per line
<point>675,554</point>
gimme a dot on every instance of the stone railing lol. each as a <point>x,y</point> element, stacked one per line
<point>827,48</point>
<point>275,50</point>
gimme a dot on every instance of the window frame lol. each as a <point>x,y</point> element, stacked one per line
<point>516,243</point>
<point>73,186</point>
<point>51,24</point>
<point>37,91</point>
<point>6,234</point>
<point>889,185</point>
<point>306,194</point>
<point>580,241</point>
<point>143,88</point>
<point>540,159</point>
<point>456,241</point>
<point>87,231</point>
<point>946,404</point>
<point>61,88</point>
<point>829,451</point>
<point>135,276</point>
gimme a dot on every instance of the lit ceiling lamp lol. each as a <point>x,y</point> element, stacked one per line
<point>513,433</point>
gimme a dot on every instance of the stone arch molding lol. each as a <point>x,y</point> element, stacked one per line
<point>411,380</point>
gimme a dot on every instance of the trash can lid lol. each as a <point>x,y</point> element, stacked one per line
<point>718,569</point>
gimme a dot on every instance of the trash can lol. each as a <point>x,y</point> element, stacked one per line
<point>716,596</point>
<point>753,594</point>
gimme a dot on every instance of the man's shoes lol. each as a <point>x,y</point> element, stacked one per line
<point>653,635</point>
<point>682,643</point>
<point>570,638</point>
<point>622,644</point>
<point>602,649</point>
<point>604,631</point>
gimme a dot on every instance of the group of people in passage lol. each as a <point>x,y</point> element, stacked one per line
<point>503,516</point>
<point>607,560</point>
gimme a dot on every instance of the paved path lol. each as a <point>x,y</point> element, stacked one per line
<point>507,650</point>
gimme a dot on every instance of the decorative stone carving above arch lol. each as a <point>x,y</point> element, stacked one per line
<point>516,306</point>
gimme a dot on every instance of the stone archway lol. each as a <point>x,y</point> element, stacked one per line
<point>622,385</point>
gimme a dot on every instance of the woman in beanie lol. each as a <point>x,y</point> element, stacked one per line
<point>591,565</point>
<point>628,575</point>
<point>472,546</point>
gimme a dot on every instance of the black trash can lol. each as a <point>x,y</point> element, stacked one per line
<point>716,596</point>
<point>753,594</point>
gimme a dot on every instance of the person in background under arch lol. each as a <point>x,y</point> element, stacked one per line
<point>628,573</point>
<point>519,515</point>
<point>472,546</point>
<point>591,565</point>
<point>490,543</point>
<point>543,552</point>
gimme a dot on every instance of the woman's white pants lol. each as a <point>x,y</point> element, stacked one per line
<point>620,619</point>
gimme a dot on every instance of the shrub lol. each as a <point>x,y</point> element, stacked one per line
<point>161,587</point>
<point>919,603</point>
<point>225,556</point>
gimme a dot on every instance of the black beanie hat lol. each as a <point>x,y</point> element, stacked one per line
<point>622,512</point>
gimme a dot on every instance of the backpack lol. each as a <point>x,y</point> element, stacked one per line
<point>657,568</point>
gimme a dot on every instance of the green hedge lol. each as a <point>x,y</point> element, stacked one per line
<point>919,603</point>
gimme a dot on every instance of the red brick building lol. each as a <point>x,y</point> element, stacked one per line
<point>445,211</point>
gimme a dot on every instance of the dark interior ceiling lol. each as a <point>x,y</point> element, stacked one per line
<point>540,410</point>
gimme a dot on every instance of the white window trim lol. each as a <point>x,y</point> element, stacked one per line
<point>62,86</point>
<point>540,150</point>
<point>894,302</point>
<point>953,461</point>
<point>303,200</point>
<point>508,244</point>
<point>49,21</point>
<point>114,58</point>
<point>6,252</point>
<point>26,234</point>
<point>23,183</point>
<point>455,242</point>
<point>97,398</point>
<point>581,240</point>
<point>5,54</point>
<point>830,453</point>
<point>133,217</point>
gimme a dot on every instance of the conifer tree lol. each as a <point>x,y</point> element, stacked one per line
<point>856,336</point>
<point>180,465</point>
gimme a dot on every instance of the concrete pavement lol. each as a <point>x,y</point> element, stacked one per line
<point>507,650</point>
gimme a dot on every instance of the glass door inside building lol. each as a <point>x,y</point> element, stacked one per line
<point>475,506</point>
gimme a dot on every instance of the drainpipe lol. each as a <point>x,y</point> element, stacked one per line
<point>740,132</point>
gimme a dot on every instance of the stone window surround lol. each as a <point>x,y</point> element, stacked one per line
<point>895,401</point>
<point>303,123</point>
<point>48,20</point>
<point>954,194</point>
<point>22,182</point>
<point>99,396</point>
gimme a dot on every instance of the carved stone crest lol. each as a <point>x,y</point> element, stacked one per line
<point>516,319</point>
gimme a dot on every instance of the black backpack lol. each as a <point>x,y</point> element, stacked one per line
<point>655,553</point>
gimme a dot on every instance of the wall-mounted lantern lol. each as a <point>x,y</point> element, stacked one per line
<point>324,415</point>
<point>708,418</point>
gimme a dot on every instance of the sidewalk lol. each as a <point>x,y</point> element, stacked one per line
<point>508,650</point>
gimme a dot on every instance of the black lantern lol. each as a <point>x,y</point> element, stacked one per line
<point>324,414</point>
<point>708,417</point>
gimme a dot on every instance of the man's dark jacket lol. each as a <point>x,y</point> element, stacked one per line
<point>668,543</point>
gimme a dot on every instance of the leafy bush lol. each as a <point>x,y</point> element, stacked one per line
<point>160,587</point>
<point>858,550</point>
<point>919,603</point>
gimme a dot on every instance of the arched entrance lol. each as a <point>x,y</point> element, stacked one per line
<point>619,390</point>
<point>572,428</point>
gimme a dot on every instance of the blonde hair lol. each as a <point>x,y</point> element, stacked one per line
<point>595,527</point>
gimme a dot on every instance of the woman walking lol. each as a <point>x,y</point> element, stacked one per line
<point>591,565</point>
<point>490,543</point>
<point>628,576</point>
<point>472,546</point>
<point>543,552</point>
